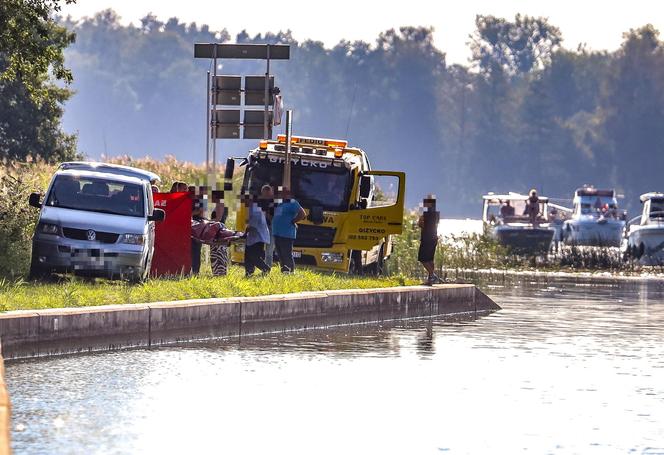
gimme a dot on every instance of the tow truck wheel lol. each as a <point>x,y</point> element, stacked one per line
<point>355,263</point>
<point>378,267</point>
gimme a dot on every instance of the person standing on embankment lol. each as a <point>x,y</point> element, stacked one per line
<point>428,224</point>
<point>284,228</point>
<point>258,236</point>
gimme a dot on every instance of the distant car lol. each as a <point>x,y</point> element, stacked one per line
<point>96,219</point>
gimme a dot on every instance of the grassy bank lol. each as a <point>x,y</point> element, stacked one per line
<point>72,292</point>
<point>467,252</point>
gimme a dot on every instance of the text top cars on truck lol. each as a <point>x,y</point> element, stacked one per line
<point>351,210</point>
<point>96,219</point>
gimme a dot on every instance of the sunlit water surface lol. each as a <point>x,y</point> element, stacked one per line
<point>563,368</point>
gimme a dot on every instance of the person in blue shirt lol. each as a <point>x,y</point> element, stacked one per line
<point>284,229</point>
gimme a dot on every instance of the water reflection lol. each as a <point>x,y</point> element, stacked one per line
<point>565,367</point>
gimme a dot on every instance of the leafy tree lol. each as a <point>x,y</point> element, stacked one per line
<point>630,113</point>
<point>31,59</point>
<point>517,47</point>
<point>525,112</point>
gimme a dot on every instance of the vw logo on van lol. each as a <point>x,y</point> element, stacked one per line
<point>92,235</point>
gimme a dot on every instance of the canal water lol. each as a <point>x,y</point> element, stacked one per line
<point>565,367</point>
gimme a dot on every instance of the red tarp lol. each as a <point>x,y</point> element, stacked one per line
<point>172,246</point>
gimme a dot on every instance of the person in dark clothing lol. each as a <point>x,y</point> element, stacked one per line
<point>428,223</point>
<point>197,214</point>
<point>532,208</point>
<point>507,210</point>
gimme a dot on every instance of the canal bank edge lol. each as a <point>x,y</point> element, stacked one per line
<point>36,333</point>
<point>5,410</point>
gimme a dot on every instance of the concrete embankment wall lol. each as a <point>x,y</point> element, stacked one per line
<point>5,411</point>
<point>61,331</point>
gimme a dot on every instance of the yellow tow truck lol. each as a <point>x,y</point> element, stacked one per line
<point>352,210</point>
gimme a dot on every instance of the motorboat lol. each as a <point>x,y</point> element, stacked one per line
<point>595,219</point>
<point>644,235</point>
<point>504,215</point>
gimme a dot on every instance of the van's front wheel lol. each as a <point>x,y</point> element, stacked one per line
<point>37,271</point>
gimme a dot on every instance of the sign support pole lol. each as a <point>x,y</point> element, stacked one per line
<point>213,179</point>
<point>287,158</point>
<point>266,94</point>
<point>207,126</point>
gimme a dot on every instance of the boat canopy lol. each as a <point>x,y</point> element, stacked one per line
<point>592,191</point>
<point>652,195</point>
<point>498,198</point>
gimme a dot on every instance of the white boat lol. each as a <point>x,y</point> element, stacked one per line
<point>644,235</point>
<point>595,219</point>
<point>513,228</point>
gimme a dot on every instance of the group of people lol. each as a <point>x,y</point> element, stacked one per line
<point>531,210</point>
<point>271,226</point>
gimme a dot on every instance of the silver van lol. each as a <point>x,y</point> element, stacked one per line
<point>96,219</point>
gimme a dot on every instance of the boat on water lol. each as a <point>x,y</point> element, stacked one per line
<point>505,216</point>
<point>595,219</point>
<point>644,235</point>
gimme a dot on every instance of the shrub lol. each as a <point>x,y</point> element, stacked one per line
<point>17,218</point>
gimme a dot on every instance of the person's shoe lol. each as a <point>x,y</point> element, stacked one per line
<point>429,281</point>
<point>437,280</point>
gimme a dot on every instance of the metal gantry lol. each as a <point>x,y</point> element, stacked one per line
<point>223,90</point>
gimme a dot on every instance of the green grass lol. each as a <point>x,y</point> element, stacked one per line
<point>73,292</point>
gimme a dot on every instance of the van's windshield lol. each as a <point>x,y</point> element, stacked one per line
<point>97,195</point>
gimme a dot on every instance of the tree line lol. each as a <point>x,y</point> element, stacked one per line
<point>524,112</point>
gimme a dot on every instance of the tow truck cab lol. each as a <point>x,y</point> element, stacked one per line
<point>352,211</point>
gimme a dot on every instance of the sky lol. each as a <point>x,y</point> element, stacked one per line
<point>597,23</point>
